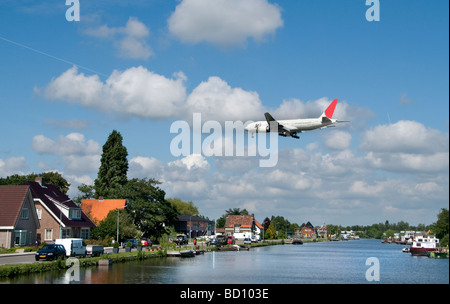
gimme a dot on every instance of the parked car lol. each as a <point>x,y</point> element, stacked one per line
<point>230,239</point>
<point>74,247</point>
<point>50,252</point>
<point>132,241</point>
<point>146,242</point>
<point>94,250</point>
<point>221,240</point>
<point>247,241</point>
<point>181,239</point>
<point>213,241</point>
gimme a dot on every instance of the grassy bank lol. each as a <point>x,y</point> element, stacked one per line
<point>24,269</point>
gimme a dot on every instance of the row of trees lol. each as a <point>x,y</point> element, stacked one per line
<point>277,227</point>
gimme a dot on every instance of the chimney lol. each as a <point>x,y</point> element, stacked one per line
<point>100,198</point>
<point>39,180</point>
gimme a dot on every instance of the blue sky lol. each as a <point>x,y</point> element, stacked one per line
<point>138,67</point>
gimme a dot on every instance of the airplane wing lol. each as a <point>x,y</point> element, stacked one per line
<point>281,128</point>
<point>270,119</point>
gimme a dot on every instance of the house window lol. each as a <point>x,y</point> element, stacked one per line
<point>39,213</point>
<point>48,234</point>
<point>65,233</point>
<point>237,228</point>
<point>21,237</point>
<point>85,233</point>
<point>24,214</point>
<point>75,214</point>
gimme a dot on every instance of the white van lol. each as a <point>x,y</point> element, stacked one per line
<point>74,247</point>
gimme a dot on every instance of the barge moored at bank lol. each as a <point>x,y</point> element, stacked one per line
<point>423,244</point>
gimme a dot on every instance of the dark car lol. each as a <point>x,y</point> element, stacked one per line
<point>213,241</point>
<point>221,240</point>
<point>181,239</point>
<point>132,241</point>
<point>50,252</point>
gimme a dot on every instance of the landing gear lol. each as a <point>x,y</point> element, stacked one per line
<point>286,134</point>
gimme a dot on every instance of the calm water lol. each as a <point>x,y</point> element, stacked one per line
<point>316,263</point>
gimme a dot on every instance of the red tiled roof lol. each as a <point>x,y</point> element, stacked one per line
<point>11,201</point>
<point>242,220</point>
<point>258,225</point>
<point>99,209</point>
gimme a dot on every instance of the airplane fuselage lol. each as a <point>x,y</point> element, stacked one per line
<point>295,125</point>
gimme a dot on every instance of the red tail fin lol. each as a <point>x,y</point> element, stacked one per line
<point>330,110</point>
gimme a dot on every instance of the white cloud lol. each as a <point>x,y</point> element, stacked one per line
<point>224,22</point>
<point>191,162</point>
<point>142,167</point>
<point>184,177</point>
<point>129,40</point>
<point>13,165</point>
<point>142,93</point>
<point>72,144</point>
<point>78,155</point>
<point>217,100</point>
<point>338,140</point>
<point>362,188</point>
<point>75,181</point>
<point>406,146</point>
<point>135,91</point>
<point>405,136</point>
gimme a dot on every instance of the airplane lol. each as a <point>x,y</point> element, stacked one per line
<point>290,128</point>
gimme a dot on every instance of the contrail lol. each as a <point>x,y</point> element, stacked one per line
<point>51,56</point>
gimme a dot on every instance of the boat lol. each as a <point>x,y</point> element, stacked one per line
<point>406,249</point>
<point>187,254</point>
<point>423,244</point>
<point>437,254</point>
<point>182,254</point>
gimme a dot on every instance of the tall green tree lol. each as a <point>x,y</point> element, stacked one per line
<point>108,226</point>
<point>152,213</point>
<point>271,232</point>
<point>112,174</point>
<point>183,207</point>
<point>441,227</point>
<point>266,224</point>
<point>280,223</point>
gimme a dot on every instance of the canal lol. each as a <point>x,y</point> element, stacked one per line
<point>353,262</point>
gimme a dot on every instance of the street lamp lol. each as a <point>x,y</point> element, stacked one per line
<point>118,222</point>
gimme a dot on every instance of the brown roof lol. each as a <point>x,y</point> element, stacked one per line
<point>99,209</point>
<point>11,201</point>
<point>242,220</point>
